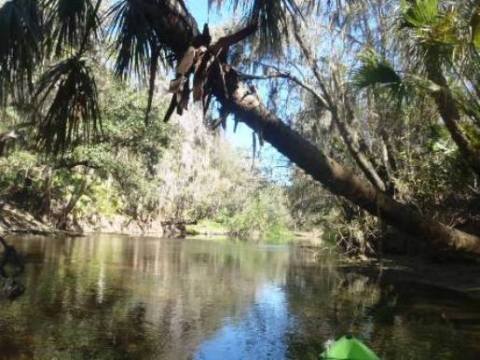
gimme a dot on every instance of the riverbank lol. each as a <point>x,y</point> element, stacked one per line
<point>208,229</point>
<point>14,220</point>
<point>450,274</point>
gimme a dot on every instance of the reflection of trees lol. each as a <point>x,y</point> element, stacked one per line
<point>399,320</point>
<point>425,322</point>
<point>119,297</point>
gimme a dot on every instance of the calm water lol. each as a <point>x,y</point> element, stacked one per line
<point>114,297</point>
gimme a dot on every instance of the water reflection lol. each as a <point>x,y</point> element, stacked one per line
<point>114,297</point>
<point>268,319</point>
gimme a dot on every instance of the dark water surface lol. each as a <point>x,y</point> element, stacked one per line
<point>116,297</point>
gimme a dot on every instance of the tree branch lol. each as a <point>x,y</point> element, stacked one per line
<point>229,40</point>
<point>287,75</point>
<point>349,139</point>
<point>65,164</point>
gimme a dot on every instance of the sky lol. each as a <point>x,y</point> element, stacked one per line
<point>272,162</point>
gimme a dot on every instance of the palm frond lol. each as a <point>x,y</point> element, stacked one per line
<point>20,46</point>
<point>133,37</point>
<point>146,34</point>
<point>70,22</point>
<point>419,13</point>
<point>375,71</point>
<point>136,43</point>
<point>272,21</point>
<point>136,28</point>
<point>434,29</point>
<point>68,93</point>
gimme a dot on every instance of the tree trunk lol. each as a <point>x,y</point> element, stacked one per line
<point>352,144</point>
<point>63,218</point>
<point>451,115</point>
<point>339,180</point>
<point>45,207</point>
<point>358,155</point>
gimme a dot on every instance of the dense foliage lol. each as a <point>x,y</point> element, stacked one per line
<point>151,174</point>
<point>395,99</point>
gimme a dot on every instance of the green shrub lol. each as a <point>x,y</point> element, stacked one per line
<point>264,217</point>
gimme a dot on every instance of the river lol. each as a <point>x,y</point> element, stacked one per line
<point>120,297</point>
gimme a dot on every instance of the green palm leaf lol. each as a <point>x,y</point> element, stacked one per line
<point>68,92</point>
<point>376,71</point>
<point>419,13</point>
<point>374,74</point>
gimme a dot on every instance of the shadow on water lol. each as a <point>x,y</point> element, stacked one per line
<point>116,297</point>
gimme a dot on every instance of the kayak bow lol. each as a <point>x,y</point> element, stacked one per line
<point>348,348</point>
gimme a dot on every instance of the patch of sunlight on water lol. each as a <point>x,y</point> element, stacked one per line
<point>258,335</point>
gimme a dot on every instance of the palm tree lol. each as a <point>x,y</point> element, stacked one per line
<point>431,32</point>
<point>45,49</point>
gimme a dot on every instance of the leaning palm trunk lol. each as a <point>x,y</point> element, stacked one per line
<point>240,100</point>
<point>338,179</point>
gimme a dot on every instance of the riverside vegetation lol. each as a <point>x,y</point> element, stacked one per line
<point>382,129</point>
<point>138,177</point>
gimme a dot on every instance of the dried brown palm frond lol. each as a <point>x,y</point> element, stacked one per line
<point>67,94</point>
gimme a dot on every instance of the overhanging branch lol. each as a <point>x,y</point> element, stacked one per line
<point>229,40</point>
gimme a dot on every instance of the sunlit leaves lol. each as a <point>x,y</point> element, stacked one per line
<point>420,13</point>
<point>432,26</point>
<point>68,95</point>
